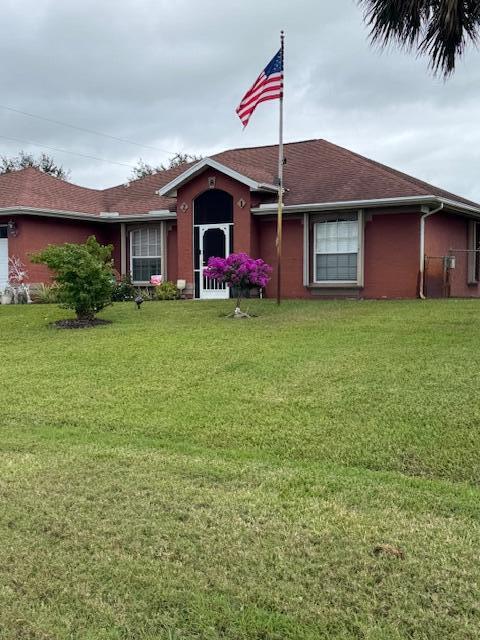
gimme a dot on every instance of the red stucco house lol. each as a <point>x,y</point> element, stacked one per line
<point>352,227</point>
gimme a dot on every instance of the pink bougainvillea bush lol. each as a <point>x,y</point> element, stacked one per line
<point>239,271</point>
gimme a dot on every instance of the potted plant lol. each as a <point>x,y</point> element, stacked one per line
<point>6,296</point>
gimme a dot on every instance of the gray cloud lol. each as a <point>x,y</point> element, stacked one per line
<point>169,74</point>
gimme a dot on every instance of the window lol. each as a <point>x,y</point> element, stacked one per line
<point>336,245</point>
<point>3,231</point>
<point>474,252</point>
<point>145,253</point>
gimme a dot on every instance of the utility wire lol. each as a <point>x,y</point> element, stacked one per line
<point>97,133</point>
<point>73,153</point>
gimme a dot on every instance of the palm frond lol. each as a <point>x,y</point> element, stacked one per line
<point>440,29</point>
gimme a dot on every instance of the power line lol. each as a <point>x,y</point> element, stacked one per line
<point>73,153</point>
<point>84,129</point>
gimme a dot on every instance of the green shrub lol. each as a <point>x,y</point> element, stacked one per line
<point>45,294</point>
<point>166,291</point>
<point>83,275</point>
<point>147,293</point>
<point>124,290</point>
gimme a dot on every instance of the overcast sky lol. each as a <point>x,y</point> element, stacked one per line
<point>169,73</point>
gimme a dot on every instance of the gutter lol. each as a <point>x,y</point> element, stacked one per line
<point>421,280</point>
<point>267,209</point>
<point>271,208</point>
<point>91,217</point>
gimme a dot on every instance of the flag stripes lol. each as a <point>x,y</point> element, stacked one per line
<point>268,86</point>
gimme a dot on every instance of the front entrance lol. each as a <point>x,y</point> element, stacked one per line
<point>214,242</point>
<point>3,257</point>
<point>212,238</point>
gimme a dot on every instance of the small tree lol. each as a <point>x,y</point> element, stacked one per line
<point>143,169</point>
<point>241,272</point>
<point>44,163</point>
<point>83,273</point>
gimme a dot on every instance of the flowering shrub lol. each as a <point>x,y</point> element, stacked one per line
<point>239,271</point>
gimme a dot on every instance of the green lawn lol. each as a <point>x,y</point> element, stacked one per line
<point>178,475</point>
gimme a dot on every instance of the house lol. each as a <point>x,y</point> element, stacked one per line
<point>352,227</point>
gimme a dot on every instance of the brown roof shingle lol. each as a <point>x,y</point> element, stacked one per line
<point>316,171</point>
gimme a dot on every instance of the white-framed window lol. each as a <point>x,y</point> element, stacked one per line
<point>146,257</point>
<point>473,252</point>
<point>336,249</point>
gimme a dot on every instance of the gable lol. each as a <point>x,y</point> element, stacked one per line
<point>171,188</point>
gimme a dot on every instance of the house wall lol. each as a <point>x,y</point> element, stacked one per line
<point>292,255</point>
<point>172,252</point>
<point>243,233</point>
<point>35,233</point>
<point>391,249</point>
<point>110,234</point>
<point>445,233</point>
<point>390,257</point>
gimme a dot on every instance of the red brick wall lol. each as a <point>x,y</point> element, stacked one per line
<point>444,232</point>
<point>292,255</point>
<point>172,252</point>
<point>35,233</point>
<point>391,255</point>
<point>242,218</point>
<point>110,234</point>
<point>391,244</point>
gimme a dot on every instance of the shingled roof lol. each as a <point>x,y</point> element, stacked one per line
<point>316,171</point>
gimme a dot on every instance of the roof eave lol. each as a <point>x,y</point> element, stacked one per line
<point>159,215</point>
<point>268,209</point>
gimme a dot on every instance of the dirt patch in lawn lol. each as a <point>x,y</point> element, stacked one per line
<point>79,324</point>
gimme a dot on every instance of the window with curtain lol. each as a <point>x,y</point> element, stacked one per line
<point>336,249</point>
<point>473,256</point>
<point>145,253</point>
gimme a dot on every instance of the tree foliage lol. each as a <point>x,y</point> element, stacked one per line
<point>440,29</point>
<point>83,274</point>
<point>143,169</point>
<point>24,160</point>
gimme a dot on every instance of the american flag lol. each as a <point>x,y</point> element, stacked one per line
<point>268,86</point>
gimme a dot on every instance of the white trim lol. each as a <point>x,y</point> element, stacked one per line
<point>306,249</point>
<point>161,256</point>
<point>170,189</point>
<point>218,291</point>
<point>472,256</point>
<point>359,253</point>
<point>270,208</point>
<point>91,217</point>
<point>4,256</point>
<point>361,248</point>
<point>123,249</point>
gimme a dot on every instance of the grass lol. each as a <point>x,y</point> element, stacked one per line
<point>177,475</point>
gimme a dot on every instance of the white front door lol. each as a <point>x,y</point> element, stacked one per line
<point>3,257</point>
<point>214,242</point>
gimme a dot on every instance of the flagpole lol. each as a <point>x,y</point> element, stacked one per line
<point>280,180</point>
